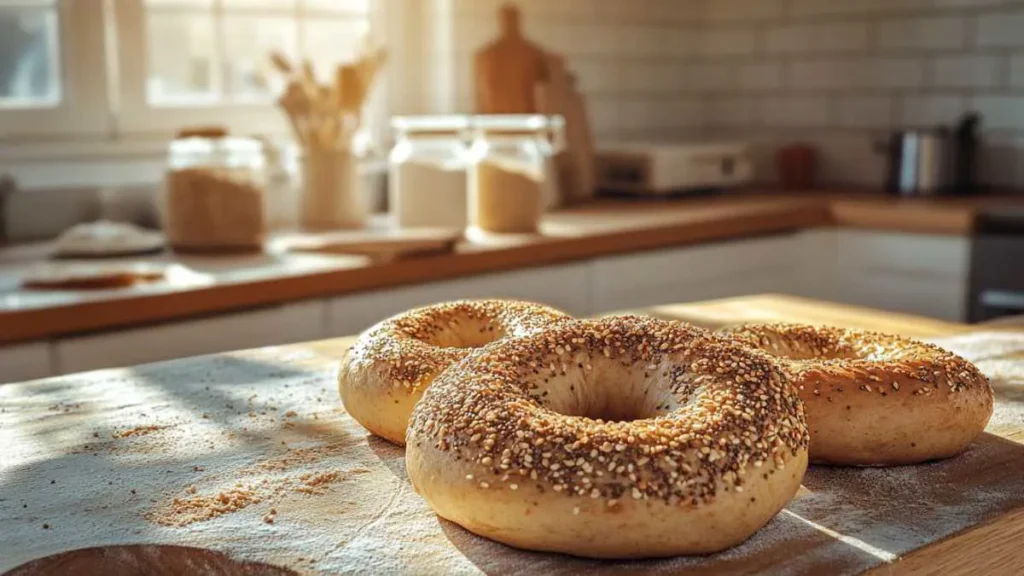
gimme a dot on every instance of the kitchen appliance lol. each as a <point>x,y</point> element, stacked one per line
<point>920,162</point>
<point>996,287</point>
<point>933,161</point>
<point>653,169</point>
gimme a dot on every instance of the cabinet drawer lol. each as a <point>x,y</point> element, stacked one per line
<point>272,326</point>
<point>25,362</point>
<point>564,287</point>
<point>860,252</point>
<point>684,274</point>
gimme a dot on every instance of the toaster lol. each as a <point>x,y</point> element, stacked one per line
<point>660,169</point>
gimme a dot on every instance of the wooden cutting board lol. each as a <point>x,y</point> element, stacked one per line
<point>380,246</point>
<point>559,96</point>
<point>251,454</point>
<point>507,70</point>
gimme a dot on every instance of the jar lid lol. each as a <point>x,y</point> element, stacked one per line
<point>510,124</point>
<point>439,125</point>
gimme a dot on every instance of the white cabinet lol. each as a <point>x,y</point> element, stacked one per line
<point>24,362</point>
<point>913,273</point>
<point>286,324</point>
<point>696,273</point>
<point>565,287</point>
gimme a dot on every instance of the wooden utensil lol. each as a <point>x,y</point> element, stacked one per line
<point>559,96</point>
<point>281,63</point>
<point>508,70</point>
<point>580,144</point>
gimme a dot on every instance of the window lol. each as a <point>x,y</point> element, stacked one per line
<point>29,57</point>
<point>52,72</point>
<point>188,62</point>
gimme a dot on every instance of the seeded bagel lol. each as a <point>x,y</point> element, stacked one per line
<point>622,437</point>
<point>876,399</point>
<point>385,373</point>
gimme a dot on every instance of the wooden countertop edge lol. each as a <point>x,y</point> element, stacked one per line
<point>920,219</point>
<point>43,323</point>
<point>991,548</point>
<point>793,212</point>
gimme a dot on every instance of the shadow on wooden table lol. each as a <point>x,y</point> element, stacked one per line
<point>391,456</point>
<point>151,560</point>
<point>844,521</point>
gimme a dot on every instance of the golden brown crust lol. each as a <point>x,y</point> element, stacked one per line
<point>619,437</point>
<point>386,371</point>
<point>877,399</point>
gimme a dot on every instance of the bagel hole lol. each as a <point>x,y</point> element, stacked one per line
<point>609,392</point>
<point>465,332</point>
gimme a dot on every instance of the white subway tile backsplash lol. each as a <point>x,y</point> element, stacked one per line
<point>643,114</point>
<point>926,111</point>
<point>604,115</point>
<point>923,33</point>
<point>725,112</point>
<point>968,3</point>
<point>1001,29</point>
<point>705,77</point>
<point>875,73</point>
<point>738,10</point>
<point>636,41</point>
<point>1006,112</point>
<point>596,75</point>
<point>795,111</point>
<point>679,113</point>
<point>892,73</point>
<point>1017,71</point>
<point>727,42</point>
<point>824,74</point>
<point>804,8</point>
<point>817,38</point>
<point>850,159</point>
<point>965,71</point>
<point>759,76</point>
<point>863,111</point>
<point>681,43</point>
<point>832,72</point>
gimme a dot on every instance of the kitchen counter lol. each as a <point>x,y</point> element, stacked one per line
<point>605,227</point>
<point>150,454</point>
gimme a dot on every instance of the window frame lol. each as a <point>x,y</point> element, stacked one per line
<point>136,116</point>
<point>83,109</point>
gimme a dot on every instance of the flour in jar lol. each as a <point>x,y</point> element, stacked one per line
<point>505,196</point>
<point>429,194</point>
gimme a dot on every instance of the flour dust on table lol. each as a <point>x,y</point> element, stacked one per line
<point>72,478</point>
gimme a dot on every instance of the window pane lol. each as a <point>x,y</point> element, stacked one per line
<point>189,4</point>
<point>275,5</point>
<point>181,58</point>
<point>29,61</point>
<point>247,42</point>
<point>359,6</point>
<point>329,42</point>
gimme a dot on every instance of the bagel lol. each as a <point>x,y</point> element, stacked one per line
<point>875,399</point>
<point>392,363</point>
<point>622,437</point>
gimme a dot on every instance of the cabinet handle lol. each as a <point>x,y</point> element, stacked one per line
<point>1002,299</point>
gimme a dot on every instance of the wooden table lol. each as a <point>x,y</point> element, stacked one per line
<point>251,454</point>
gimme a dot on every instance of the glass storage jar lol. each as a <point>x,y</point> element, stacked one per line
<point>427,171</point>
<point>214,193</point>
<point>551,142</point>
<point>507,174</point>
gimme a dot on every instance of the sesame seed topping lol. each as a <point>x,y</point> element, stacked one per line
<point>706,413</point>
